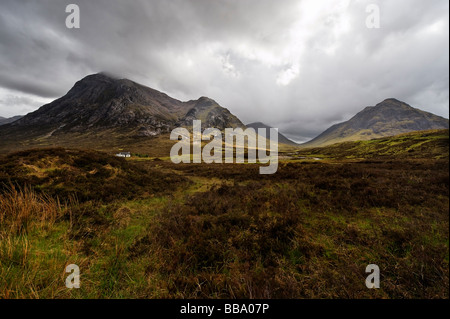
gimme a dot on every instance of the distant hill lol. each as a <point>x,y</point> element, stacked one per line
<point>105,108</point>
<point>388,118</point>
<point>4,120</point>
<point>281,138</point>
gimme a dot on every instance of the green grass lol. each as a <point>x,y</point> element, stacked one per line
<point>422,144</point>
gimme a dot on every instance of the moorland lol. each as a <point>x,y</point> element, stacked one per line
<point>144,227</point>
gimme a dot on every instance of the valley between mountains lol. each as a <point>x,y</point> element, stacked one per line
<point>371,190</point>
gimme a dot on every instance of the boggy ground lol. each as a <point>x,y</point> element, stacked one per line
<point>147,228</point>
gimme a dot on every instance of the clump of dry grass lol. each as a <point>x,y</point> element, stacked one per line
<point>21,207</point>
<point>14,249</point>
<point>28,224</point>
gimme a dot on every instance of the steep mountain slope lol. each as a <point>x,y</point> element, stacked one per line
<point>100,103</point>
<point>388,118</point>
<point>281,138</point>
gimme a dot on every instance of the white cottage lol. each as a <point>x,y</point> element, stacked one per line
<point>123,154</point>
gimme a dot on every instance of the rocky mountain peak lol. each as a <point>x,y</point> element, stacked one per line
<point>100,101</point>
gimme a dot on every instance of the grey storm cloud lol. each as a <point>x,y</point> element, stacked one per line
<point>299,65</point>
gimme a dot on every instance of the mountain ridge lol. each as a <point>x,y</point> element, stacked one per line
<point>388,118</point>
<point>100,106</point>
<point>7,120</point>
<point>99,102</point>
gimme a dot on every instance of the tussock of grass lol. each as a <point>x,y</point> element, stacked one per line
<point>27,217</point>
<point>22,209</point>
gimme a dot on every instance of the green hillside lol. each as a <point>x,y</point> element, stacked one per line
<point>388,118</point>
<point>421,144</point>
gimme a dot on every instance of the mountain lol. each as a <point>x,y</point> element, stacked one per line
<point>388,118</point>
<point>100,103</point>
<point>4,120</point>
<point>281,138</point>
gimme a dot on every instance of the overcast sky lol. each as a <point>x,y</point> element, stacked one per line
<point>299,65</point>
